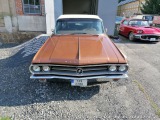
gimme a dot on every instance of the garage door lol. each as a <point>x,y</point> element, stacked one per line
<point>80,6</point>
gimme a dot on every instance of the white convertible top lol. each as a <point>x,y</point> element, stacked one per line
<point>79,16</point>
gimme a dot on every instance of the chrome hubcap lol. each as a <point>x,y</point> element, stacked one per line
<point>131,36</point>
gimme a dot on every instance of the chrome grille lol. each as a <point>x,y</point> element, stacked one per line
<point>150,36</point>
<point>69,70</point>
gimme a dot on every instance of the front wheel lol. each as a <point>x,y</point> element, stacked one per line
<point>131,36</point>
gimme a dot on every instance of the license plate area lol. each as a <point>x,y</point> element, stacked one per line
<point>152,39</point>
<point>79,82</point>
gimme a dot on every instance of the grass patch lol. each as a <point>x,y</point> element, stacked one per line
<point>153,104</point>
<point>5,118</point>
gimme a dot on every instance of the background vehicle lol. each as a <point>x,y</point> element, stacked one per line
<point>156,21</point>
<point>139,29</point>
<point>149,18</point>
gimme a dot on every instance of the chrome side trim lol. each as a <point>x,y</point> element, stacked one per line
<point>69,78</point>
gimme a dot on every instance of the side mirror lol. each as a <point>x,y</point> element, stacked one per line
<point>106,30</point>
<point>151,24</point>
<point>53,31</point>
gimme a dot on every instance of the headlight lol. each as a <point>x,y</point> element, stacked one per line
<point>139,31</point>
<point>36,68</point>
<point>112,68</point>
<point>46,68</point>
<point>122,68</point>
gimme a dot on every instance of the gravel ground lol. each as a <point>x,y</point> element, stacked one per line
<point>23,99</point>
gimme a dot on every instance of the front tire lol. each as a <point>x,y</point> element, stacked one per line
<point>131,36</point>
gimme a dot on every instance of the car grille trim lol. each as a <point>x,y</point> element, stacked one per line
<point>83,74</point>
<point>75,69</point>
<point>149,36</point>
<point>89,70</point>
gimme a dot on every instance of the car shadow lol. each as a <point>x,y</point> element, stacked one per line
<point>16,88</point>
<point>125,40</point>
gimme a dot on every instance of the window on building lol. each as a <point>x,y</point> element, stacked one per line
<point>31,7</point>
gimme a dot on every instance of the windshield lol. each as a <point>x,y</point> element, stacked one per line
<point>139,23</point>
<point>79,26</point>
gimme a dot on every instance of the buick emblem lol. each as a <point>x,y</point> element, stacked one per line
<point>79,71</point>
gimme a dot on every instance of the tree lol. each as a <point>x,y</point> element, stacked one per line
<point>151,7</point>
<point>120,1</point>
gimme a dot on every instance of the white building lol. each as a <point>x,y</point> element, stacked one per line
<point>106,9</point>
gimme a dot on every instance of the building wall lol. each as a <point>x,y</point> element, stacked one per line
<point>13,19</point>
<point>7,16</point>
<point>15,26</point>
<point>58,8</point>
<point>30,22</point>
<point>129,9</point>
<point>19,7</point>
<point>107,10</point>
<point>1,16</point>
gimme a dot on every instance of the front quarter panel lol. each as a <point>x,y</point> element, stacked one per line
<point>130,29</point>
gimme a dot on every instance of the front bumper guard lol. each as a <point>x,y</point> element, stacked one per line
<point>80,78</point>
<point>139,36</point>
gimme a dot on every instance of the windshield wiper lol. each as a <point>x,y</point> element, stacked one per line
<point>84,33</point>
<point>77,33</point>
<point>80,33</point>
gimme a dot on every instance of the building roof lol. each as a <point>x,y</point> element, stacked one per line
<point>125,2</point>
<point>79,16</point>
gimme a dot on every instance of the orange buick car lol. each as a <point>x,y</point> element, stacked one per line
<point>79,50</point>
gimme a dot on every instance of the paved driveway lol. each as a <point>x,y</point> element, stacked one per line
<point>135,98</point>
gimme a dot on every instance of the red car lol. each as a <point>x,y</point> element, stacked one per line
<point>139,29</point>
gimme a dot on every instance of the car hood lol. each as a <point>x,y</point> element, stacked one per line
<point>150,30</point>
<point>79,50</point>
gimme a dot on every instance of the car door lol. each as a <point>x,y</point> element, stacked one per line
<point>131,27</point>
<point>123,27</point>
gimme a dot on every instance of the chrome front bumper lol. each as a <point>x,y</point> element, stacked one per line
<point>140,36</point>
<point>80,78</point>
